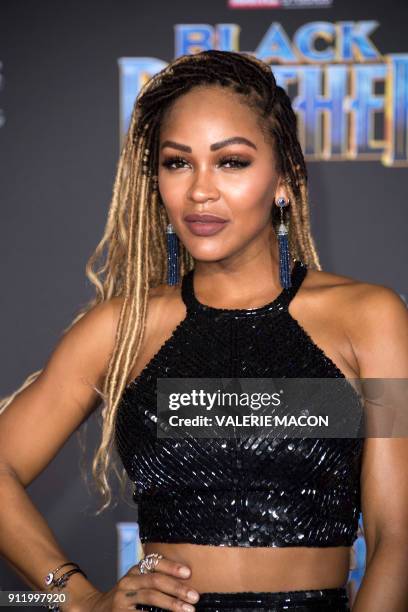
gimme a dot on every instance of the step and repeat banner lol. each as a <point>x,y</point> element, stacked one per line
<point>69,75</point>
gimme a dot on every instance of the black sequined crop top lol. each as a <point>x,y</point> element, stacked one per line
<point>289,492</point>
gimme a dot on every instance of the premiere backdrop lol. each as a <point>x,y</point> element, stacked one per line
<point>69,74</point>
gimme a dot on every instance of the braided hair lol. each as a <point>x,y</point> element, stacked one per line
<point>133,247</point>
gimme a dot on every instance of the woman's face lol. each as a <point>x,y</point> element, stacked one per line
<point>200,173</point>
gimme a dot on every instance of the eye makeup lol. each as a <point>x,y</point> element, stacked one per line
<point>237,161</point>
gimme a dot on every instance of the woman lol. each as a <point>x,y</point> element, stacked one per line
<point>212,134</point>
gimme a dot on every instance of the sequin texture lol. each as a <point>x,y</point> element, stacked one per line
<point>322,600</point>
<point>226,492</point>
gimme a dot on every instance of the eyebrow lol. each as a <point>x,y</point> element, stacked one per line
<point>214,147</point>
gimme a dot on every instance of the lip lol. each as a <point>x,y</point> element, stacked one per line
<point>204,218</point>
<point>198,228</point>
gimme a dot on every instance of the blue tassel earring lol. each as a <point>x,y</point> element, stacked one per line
<point>284,255</point>
<point>172,256</point>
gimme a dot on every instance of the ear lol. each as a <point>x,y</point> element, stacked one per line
<point>281,191</point>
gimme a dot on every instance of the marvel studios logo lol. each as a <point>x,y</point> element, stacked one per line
<point>255,4</point>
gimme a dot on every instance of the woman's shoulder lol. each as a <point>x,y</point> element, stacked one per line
<point>165,300</point>
<point>160,297</point>
<point>163,306</point>
<point>361,305</point>
<point>356,293</point>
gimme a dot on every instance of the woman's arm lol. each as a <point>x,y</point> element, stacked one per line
<point>380,340</point>
<point>34,427</point>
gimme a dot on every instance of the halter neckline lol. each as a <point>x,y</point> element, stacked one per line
<point>298,273</point>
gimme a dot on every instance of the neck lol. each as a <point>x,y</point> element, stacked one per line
<point>250,279</point>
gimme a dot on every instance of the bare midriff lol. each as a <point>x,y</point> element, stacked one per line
<point>228,569</point>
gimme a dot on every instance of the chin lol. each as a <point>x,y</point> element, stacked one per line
<point>207,254</point>
<point>206,249</point>
<point>208,257</point>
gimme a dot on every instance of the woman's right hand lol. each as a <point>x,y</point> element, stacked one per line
<point>163,588</point>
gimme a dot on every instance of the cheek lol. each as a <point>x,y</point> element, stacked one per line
<point>251,190</point>
<point>172,194</point>
<point>250,202</point>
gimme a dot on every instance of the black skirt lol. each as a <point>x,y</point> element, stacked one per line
<point>322,600</point>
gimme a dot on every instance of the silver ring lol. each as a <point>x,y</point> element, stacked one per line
<point>149,562</point>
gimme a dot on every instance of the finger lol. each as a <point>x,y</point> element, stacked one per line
<point>153,597</point>
<point>160,582</point>
<point>166,566</point>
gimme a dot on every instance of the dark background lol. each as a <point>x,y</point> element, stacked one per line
<point>59,146</point>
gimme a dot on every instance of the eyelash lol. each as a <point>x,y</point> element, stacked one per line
<point>241,163</point>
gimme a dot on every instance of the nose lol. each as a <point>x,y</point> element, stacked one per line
<point>202,187</point>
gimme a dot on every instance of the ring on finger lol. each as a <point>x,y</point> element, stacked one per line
<point>148,563</point>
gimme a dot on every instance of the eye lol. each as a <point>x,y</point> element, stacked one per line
<point>236,160</point>
<point>176,159</point>
<point>174,162</point>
